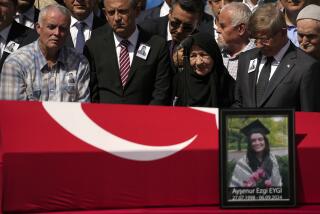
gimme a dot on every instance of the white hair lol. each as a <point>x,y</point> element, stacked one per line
<point>50,7</point>
<point>240,13</point>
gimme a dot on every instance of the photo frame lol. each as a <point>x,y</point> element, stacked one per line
<point>257,158</point>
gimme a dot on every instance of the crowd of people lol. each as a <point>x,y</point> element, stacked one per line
<point>248,54</point>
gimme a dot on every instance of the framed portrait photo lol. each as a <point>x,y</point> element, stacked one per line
<point>257,158</point>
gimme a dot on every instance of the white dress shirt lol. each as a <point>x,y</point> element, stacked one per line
<point>277,59</point>
<point>164,10</point>
<point>87,29</point>
<point>133,39</point>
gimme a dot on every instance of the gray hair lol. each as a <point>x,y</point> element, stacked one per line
<point>267,17</point>
<point>240,13</point>
<point>50,7</point>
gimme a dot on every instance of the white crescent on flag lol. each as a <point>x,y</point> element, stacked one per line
<point>72,118</point>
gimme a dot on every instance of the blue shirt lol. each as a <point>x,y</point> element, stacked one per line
<point>293,34</point>
<point>153,3</point>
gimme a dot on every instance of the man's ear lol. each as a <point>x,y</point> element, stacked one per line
<point>37,27</point>
<point>105,13</point>
<point>242,28</point>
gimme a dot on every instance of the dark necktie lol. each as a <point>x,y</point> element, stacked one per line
<point>124,61</point>
<point>263,79</point>
<point>171,49</point>
<point>80,41</point>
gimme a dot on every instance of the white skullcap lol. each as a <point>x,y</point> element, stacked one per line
<point>311,11</point>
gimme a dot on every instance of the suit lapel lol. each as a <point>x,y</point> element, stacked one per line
<point>111,63</point>
<point>164,26</point>
<point>252,75</point>
<point>285,66</point>
<point>136,61</point>
<point>69,42</point>
<point>97,22</point>
<point>13,35</point>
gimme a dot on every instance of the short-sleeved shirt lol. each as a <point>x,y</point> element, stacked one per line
<point>27,76</point>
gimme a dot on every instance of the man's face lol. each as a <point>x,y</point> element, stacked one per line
<point>24,5</point>
<point>53,30</point>
<point>182,23</point>
<point>7,12</point>
<point>121,17</point>
<point>227,33</point>
<point>309,36</point>
<point>80,9</point>
<point>217,5</point>
<point>269,44</point>
<point>293,6</point>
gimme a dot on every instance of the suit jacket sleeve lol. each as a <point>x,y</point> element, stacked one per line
<point>93,84</point>
<point>237,90</point>
<point>309,89</point>
<point>162,85</point>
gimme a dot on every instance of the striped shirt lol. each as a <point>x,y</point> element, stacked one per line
<point>27,76</point>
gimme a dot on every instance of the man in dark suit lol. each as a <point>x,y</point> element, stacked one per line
<point>120,73</point>
<point>276,73</point>
<point>183,20</point>
<point>83,22</point>
<point>12,34</point>
<point>155,12</point>
<point>188,13</point>
<point>27,14</point>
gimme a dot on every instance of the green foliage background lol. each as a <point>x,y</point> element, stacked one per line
<point>277,125</point>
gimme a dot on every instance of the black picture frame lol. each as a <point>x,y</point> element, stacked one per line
<point>243,181</point>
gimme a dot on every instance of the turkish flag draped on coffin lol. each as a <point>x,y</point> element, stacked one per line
<point>70,156</point>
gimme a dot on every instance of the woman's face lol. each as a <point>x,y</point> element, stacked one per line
<point>201,61</point>
<point>257,142</point>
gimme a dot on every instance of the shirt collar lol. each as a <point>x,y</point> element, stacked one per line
<point>169,36</point>
<point>278,57</point>
<point>133,39</point>
<point>164,10</point>
<point>88,21</point>
<point>249,46</point>
<point>43,61</point>
<point>5,32</point>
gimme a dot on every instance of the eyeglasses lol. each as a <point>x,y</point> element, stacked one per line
<point>264,41</point>
<point>175,24</point>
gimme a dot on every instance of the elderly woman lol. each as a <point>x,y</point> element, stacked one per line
<point>204,82</point>
<point>259,167</point>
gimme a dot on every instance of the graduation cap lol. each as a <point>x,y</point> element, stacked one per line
<point>255,127</point>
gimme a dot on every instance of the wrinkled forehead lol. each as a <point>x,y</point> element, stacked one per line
<point>118,4</point>
<point>54,15</point>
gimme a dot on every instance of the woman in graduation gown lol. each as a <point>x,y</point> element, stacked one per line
<point>259,167</point>
<point>203,81</point>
